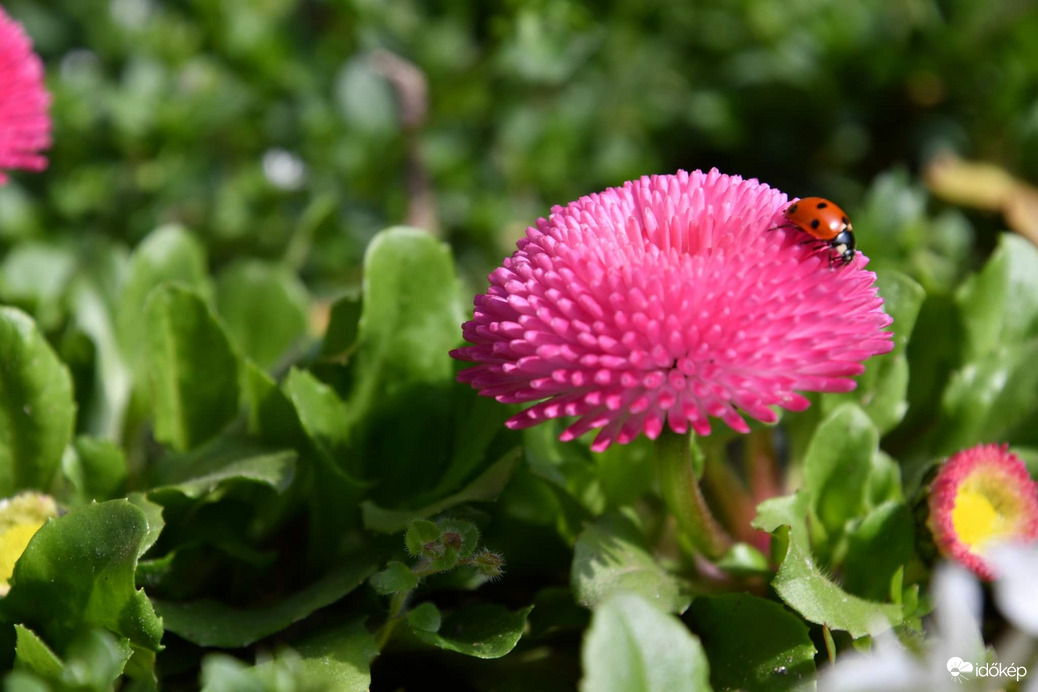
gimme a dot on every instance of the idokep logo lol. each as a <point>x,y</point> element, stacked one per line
<point>961,670</point>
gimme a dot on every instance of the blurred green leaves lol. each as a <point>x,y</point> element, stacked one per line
<point>37,412</point>
<point>264,307</point>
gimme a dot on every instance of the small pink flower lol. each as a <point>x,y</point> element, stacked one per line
<point>667,301</point>
<point>982,496</point>
<point>24,123</point>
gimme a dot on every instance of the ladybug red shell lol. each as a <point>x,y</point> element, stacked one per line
<point>826,222</point>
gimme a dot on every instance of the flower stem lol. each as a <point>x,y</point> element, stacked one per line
<point>396,607</point>
<point>732,503</point>
<point>762,467</point>
<point>680,490</point>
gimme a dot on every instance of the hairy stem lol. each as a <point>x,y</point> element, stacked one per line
<point>681,493</point>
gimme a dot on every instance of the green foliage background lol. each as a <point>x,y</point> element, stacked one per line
<point>251,378</point>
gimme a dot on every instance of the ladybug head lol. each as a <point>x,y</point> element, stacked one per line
<point>843,244</point>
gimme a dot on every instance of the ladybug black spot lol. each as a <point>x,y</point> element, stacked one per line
<point>823,205</point>
<point>793,209</point>
<point>845,220</point>
<point>816,223</point>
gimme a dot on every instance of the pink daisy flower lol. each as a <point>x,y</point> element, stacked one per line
<point>667,302</point>
<point>24,123</point>
<point>982,496</point>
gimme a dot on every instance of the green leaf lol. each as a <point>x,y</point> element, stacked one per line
<point>104,416</point>
<point>988,397</point>
<point>478,423</point>
<point>410,320</point>
<point>753,644</point>
<point>395,577</point>
<point>999,305</point>
<point>324,415</point>
<point>93,661</point>
<point>633,647</point>
<point>485,488</point>
<point>223,673</point>
<point>194,370</point>
<point>837,463</point>
<point>611,557</point>
<point>78,571</point>
<point>338,658</point>
<point>883,388</point>
<point>96,659</point>
<point>411,310</point>
<point>32,653</point>
<point>223,462</point>
<point>324,419</point>
<point>212,623</point>
<point>169,253</point>
<point>272,416</point>
<point>932,355</point>
<point>23,681</point>
<point>96,469</point>
<point>570,467</point>
<point>465,530</point>
<point>36,276</point>
<point>744,559</point>
<point>555,610</point>
<point>37,411</point>
<point>341,335</point>
<point>264,307</point>
<point>804,587</point>
<point>444,558</point>
<point>153,514</point>
<point>625,471</point>
<point>419,533</point>
<point>425,617</point>
<point>884,482</point>
<point>877,547</point>
<point>482,630</point>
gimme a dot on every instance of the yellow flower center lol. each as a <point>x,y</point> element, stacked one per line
<point>12,544</point>
<point>981,516</point>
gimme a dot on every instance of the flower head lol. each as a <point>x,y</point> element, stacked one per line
<point>24,123</point>
<point>667,301</point>
<point>981,497</point>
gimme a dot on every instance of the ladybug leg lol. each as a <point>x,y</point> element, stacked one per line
<point>785,225</point>
<point>815,243</point>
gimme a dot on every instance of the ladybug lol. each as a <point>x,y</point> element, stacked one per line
<point>827,225</point>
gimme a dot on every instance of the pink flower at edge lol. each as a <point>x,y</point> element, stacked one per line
<point>668,301</point>
<point>24,122</point>
<point>982,496</point>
